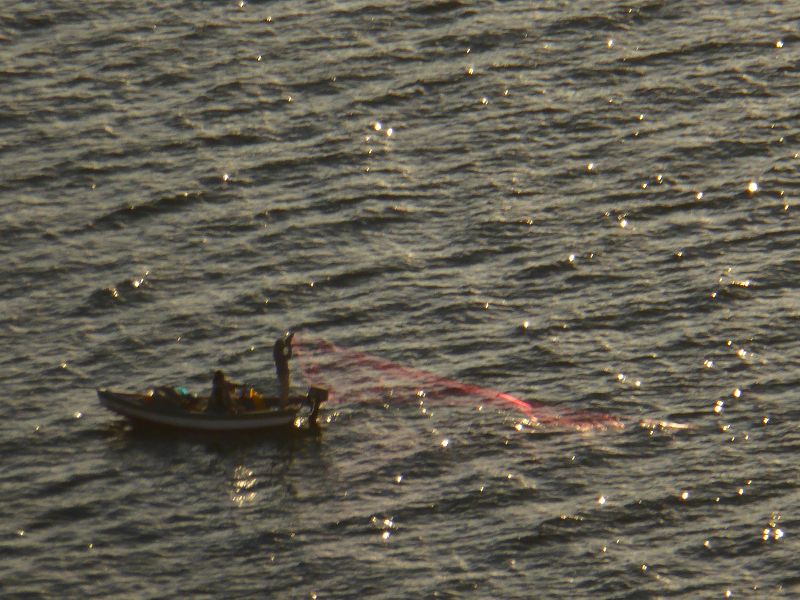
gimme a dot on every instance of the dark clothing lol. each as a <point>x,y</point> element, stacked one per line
<point>282,352</point>
<point>217,402</point>
<point>220,399</point>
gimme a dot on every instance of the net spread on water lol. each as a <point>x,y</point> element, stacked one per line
<point>352,376</point>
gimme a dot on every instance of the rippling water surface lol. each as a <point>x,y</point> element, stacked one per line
<point>589,205</point>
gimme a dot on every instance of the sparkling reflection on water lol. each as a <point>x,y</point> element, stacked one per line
<point>586,206</point>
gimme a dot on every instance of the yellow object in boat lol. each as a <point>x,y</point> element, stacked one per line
<point>257,399</point>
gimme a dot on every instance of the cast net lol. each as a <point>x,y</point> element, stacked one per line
<point>352,377</point>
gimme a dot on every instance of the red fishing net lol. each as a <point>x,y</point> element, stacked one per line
<point>352,376</point>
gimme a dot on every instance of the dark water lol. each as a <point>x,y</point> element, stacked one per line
<point>591,205</point>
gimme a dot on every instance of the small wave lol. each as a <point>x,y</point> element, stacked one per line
<point>135,289</point>
<point>582,24</point>
<point>120,217</point>
<point>705,51</point>
<point>437,8</point>
<point>544,270</point>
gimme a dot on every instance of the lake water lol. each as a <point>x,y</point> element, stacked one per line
<point>592,206</point>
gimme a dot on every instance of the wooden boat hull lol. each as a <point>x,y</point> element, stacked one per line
<point>144,408</point>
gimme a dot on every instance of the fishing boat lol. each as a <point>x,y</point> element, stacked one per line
<point>176,408</point>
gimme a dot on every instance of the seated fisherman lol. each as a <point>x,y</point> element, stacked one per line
<point>282,352</point>
<point>221,400</point>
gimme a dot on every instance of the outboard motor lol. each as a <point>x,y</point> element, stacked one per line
<point>316,396</point>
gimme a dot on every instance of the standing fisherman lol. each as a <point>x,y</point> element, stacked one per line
<point>282,352</point>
